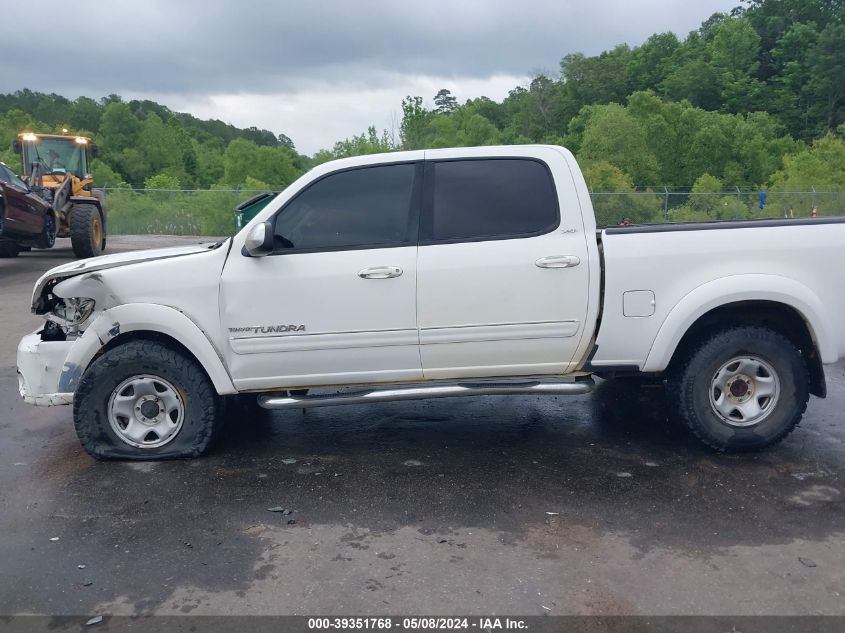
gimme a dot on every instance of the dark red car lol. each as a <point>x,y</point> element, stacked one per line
<point>26,220</point>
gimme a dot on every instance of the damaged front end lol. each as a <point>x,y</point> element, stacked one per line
<point>72,298</point>
<point>45,377</point>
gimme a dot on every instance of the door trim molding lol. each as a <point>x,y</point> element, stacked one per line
<point>499,332</point>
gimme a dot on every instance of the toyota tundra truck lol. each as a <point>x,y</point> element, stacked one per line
<point>435,274</point>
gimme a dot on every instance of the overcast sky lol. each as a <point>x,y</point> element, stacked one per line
<point>316,71</point>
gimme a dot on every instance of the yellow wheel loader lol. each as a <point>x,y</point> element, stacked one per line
<point>55,167</point>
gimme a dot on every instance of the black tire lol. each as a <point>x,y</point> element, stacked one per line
<point>202,406</point>
<point>87,232</point>
<point>101,197</point>
<point>48,233</point>
<point>691,382</point>
<point>9,249</point>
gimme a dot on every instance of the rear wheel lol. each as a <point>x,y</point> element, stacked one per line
<point>87,235</point>
<point>145,401</point>
<point>48,233</point>
<point>743,389</point>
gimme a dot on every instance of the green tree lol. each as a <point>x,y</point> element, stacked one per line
<point>707,204</point>
<point>595,80</point>
<point>611,134</point>
<point>444,102</point>
<point>273,165</point>
<point>162,181</point>
<point>791,63</point>
<point>696,81</point>
<point>809,171</point>
<point>370,142</point>
<point>734,52</point>
<point>649,64</point>
<point>84,114</point>
<point>105,176</point>
<point>463,129</point>
<point>819,166</point>
<point>161,149</point>
<point>119,128</point>
<point>615,197</point>
<point>415,119</point>
<point>826,86</point>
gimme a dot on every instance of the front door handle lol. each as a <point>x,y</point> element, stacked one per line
<point>558,261</point>
<point>380,272</point>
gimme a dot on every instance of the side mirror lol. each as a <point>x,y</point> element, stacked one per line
<point>95,151</point>
<point>16,146</point>
<point>259,240</point>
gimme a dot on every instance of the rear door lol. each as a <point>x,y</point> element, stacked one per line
<point>503,269</point>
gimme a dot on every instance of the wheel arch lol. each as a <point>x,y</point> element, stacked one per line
<point>130,322</point>
<point>778,303</point>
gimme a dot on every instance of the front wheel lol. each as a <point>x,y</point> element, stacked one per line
<point>145,401</point>
<point>742,389</point>
<point>48,232</point>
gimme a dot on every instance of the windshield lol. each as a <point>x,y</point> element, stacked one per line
<point>55,154</point>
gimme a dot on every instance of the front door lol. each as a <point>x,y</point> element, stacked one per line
<point>503,272</point>
<point>335,303</point>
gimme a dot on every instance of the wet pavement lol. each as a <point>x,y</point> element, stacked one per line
<point>593,504</point>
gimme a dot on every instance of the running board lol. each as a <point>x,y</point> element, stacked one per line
<point>422,392</point>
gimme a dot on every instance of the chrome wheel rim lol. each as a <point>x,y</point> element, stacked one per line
<point>146,411</point>
<point>744,391</point>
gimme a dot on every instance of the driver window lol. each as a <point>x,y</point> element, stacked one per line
<point>370,206</point>
<point>7,175</point>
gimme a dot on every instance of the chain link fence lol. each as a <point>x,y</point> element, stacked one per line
<point>654,206</point>
<point>211,211</point>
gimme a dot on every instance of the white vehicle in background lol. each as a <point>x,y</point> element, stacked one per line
<point>440,273</point>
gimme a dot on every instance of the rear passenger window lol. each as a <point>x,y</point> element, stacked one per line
<point>491,199</point>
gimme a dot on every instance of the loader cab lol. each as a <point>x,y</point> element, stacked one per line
<point>55,155</point>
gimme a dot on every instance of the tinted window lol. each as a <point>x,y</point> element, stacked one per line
<point>478,199</point>
<point>8,176</point>
<point>361,207</point>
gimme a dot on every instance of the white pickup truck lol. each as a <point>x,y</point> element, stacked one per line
<point>440,273</point>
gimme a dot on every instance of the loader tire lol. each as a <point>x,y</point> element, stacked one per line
<point>87,233</point>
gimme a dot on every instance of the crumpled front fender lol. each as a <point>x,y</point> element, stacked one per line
<point>144,317</point>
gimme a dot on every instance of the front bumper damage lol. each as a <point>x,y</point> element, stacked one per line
<point>43,377</point>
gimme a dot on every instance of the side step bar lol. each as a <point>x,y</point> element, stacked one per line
<point>422,392</point>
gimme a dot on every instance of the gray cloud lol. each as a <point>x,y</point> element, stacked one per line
<point>318,71</point>
<point>261,46</point>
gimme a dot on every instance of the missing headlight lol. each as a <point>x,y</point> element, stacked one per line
<point>52,332</point>
<point>69,314</point>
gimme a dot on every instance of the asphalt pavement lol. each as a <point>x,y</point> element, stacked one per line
<point>596,504</point>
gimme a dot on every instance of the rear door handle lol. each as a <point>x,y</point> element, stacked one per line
<point>558,261</point>
<point>380,272</point>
